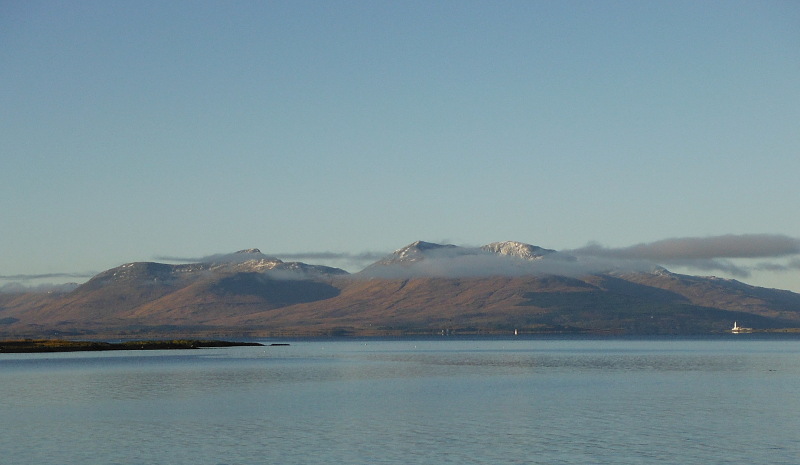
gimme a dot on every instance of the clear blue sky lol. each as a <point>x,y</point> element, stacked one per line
<point>132,130</point>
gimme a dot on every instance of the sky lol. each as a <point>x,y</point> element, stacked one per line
<point>339,131</point>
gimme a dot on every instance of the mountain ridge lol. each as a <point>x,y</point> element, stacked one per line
<point>421,288</point>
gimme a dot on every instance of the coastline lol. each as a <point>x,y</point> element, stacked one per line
<point>60,345</point>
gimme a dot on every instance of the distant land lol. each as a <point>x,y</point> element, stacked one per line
<point>58,345</point>
<point>422,288</point>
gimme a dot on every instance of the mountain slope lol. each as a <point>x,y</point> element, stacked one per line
<point>421,288</point>
<point>145,294</point>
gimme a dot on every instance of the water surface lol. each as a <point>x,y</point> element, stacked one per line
<point>550,401</point>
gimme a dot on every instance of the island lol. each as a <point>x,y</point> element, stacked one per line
<point>60,345</point>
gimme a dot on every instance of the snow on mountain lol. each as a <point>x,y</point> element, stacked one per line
<point>253,261</point>
<point>421,250</point>
<point>420,287</point>
<point>243,261</point>
<point>417,251</point>
<point>422,258</point>
<point>517,249</point>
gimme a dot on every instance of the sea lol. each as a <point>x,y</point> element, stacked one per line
<point>729,399</point>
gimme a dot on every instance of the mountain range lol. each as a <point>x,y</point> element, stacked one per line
<point>422,288</point>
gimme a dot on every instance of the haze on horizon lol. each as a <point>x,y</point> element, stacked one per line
<point>339,131</point>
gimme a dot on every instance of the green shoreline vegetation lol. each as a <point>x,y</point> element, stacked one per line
<point>60,345</point>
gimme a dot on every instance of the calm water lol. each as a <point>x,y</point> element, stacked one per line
<point>731,400</point>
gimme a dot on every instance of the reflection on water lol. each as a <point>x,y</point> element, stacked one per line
<point>400,401</point>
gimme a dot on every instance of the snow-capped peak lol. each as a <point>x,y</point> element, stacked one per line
<point>517,249</point>
<point>245,255</point>
<point>415,251</point>
<point>249,251</point>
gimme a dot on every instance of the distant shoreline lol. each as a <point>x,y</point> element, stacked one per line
<point>60,345</point>
<point>37,344</point>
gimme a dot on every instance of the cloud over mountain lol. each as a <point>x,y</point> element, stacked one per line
<point>44,282</point>
<point>511,259</point>
<point>708,253</point>
<point>417,289</point>
<point>358,260</point>
<point>735,255</point>
<point>33,277</point>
